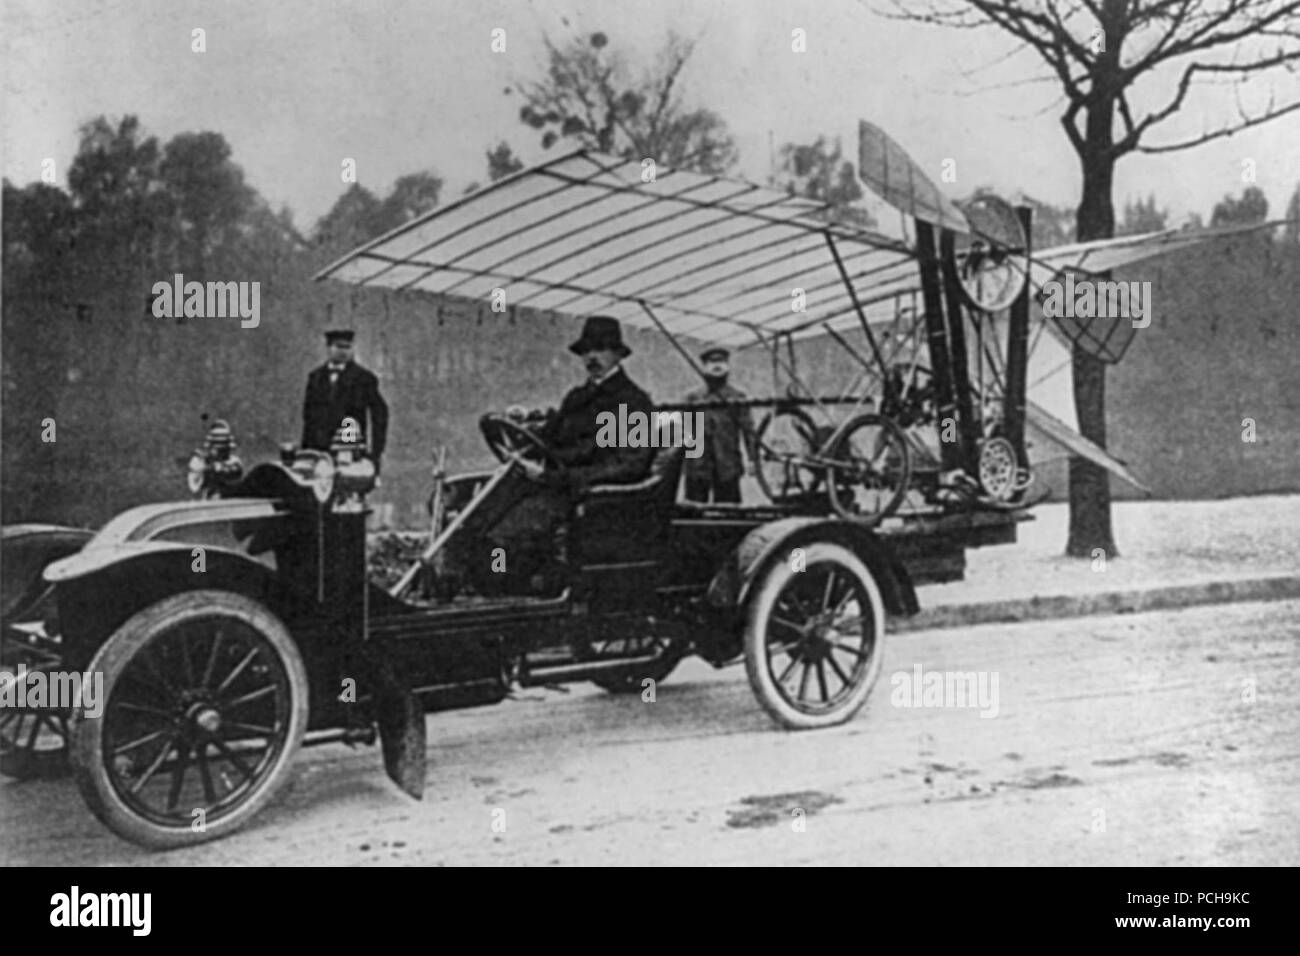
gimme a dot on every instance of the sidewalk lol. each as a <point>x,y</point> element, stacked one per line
<point>1172,554</point>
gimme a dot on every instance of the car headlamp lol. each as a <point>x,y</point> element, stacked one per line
<point>322,479</point>
<point>197,472</point>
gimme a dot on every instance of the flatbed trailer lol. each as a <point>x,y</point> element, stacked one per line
<point>931,543</point>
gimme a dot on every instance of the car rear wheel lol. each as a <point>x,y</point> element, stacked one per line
<point>629,680</point>
<point>204,704</point>
<point>814,636</point>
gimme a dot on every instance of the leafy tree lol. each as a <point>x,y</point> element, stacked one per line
<point>353,219</point>
<point>502,162</point>
<point>116,191</point>
<point>413,195</point>
<point>819,171</point>
<point>1291,231</point>
<point>1143,216</point>
<point>591,98</point>
<point>39,232</point>
<point>205,195</point>
<point>1252,207</point>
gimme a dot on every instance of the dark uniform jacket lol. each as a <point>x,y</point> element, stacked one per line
<point>573,429</point>
<point>354,393</point>
<point>723,429</point>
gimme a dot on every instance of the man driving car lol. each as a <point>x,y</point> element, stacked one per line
<point>522,517</point>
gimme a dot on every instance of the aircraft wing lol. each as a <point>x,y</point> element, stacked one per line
<point>723,261</point>
<point>1056,431</point>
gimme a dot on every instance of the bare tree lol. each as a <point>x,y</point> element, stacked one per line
<point>590,96</point>
<point>1099,51</point>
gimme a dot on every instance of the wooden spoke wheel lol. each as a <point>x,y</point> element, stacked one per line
<point>629,680</point>
<point>205,703</point>
<point>786,437</point>
<point>871,468</point>
<point>814,638</point>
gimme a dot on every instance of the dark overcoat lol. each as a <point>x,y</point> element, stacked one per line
<point>354,394</point>
<point>572,432</point>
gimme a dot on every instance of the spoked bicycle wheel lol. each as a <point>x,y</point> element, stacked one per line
<point>786,437</point>
<point>871,468</point>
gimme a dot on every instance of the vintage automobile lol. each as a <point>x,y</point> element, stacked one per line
<point>230,630</point>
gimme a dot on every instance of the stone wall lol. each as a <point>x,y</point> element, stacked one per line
<point>127,390</point>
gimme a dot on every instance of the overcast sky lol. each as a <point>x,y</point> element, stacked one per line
<point>400,86</point>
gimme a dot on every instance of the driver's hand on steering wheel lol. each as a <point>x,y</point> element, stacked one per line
<point>531,469</point>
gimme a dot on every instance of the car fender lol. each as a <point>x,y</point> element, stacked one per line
<point>25,551</point>
<point>776,540</point>
<point>98,588</point>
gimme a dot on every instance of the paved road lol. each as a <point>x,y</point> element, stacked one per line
<point>1168,738</point>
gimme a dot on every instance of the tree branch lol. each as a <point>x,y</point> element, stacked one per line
<point>1219,134</point>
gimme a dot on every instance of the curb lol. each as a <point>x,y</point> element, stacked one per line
<point>1276,588</point>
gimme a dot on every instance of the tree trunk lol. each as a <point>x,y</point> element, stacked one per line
<point>1090,526</point>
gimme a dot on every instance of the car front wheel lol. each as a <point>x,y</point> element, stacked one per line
<point>203,706</point>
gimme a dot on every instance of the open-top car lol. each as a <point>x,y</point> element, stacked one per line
<point>231,629</point>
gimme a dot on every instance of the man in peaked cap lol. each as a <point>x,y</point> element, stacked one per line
<point>716,472</point>
<point>342,389</point>
<point>531,505</point>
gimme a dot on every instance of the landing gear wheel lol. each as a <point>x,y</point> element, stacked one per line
<point>814,639</point>
<point>204,706</point>
<point>998,469</point>
<point>872,469</point>
<point>629,680</point>
<point>784,436</point>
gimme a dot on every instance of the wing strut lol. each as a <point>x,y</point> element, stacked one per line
<point>672,338</point>
<point>853,294</point>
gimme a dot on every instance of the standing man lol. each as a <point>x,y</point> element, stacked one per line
<point>718,469</point>
<point>342,389</point>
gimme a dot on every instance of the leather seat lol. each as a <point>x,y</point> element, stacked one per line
<point>659,484</point>
<point>628,524</point>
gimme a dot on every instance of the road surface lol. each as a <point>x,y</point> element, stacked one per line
<point>1169,738</point>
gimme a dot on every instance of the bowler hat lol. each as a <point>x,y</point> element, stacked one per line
<point>717,351</point>
<point>600,332</point>
<point>339,335</point>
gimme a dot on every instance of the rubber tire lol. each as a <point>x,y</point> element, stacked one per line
<point>899,440</point>
<point>111,659</point>
<point>48,764</point>
<point>760,603</point>
<point>629,681</point>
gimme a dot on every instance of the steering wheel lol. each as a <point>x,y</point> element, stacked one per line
<point>509,441</point>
